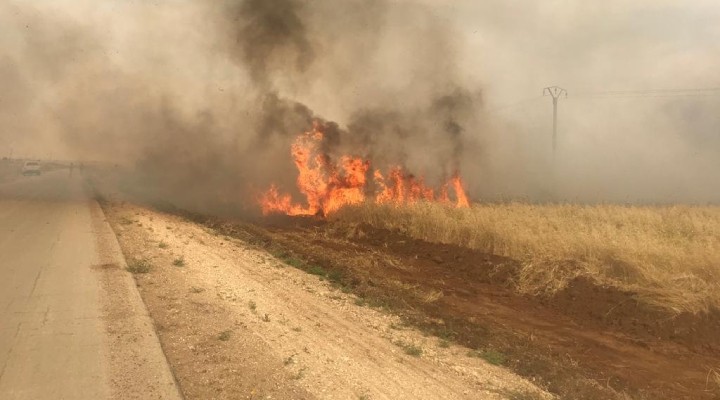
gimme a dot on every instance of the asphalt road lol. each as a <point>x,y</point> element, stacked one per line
<point>54,339</point>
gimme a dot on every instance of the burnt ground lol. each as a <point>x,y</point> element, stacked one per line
<point>586,341</point>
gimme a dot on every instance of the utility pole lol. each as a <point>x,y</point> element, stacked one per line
<point>555,92</point>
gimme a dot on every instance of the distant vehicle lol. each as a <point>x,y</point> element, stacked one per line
<point>31,168</point>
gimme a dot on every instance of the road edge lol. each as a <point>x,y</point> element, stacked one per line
<point>130,330</point>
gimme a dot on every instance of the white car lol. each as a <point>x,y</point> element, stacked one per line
<point>31,168</point>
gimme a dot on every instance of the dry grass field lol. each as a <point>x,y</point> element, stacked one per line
<point>668,255</point>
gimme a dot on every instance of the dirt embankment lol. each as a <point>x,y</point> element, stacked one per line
<point>584,342</point>
<point>237,322</point>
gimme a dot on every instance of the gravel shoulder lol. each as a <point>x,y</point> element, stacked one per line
<point>235,322</point>
<point>138,368</point>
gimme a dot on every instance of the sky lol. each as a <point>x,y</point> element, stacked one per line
<point>59,54</point>
<point>664,145</point>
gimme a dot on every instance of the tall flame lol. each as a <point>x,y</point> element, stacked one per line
<point>329,186</point>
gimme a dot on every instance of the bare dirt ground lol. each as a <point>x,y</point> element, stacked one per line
<point>137,366</point>
<point>585,342</point>
<point>237,322</point>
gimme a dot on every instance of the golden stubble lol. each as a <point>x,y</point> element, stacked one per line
<point>668,255</point>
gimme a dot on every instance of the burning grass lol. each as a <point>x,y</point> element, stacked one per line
<point>669,256</point>
<point>329,184</point>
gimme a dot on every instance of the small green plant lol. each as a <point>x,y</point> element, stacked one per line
<point>252,306</point>
<point>410,348</point>
<point>294,262</point>
<point>139,267</point>
<point>446,334</point>
<point>126,221</point>
<point>196,289</point>
<point>163,245</point>
<point>316,270</point>
<point>224,336</point>
<point>493,357</point>
<point>179,262</point>
<point>335,276</point>
<point>266,318</point>
<point>413,350</point>
<point>289,360</point>
<point>444,343</point>
<point>279,254</point>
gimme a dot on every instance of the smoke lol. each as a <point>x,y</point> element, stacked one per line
<point>432,139</point>
<point>628,149</point>
<point>202,100</point>
<point>270,37</point>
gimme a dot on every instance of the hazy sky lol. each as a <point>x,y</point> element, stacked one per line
<point>670,145</point>
<point>662,146</point>
<point>610,148</point>
<point>514,46</point>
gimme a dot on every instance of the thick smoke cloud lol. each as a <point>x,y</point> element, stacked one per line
<point>433,136</point>
<point>271,37</point>
<point>203,99</point>
<point>210,125</point>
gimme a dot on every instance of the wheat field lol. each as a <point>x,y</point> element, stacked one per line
<point>668,255</point>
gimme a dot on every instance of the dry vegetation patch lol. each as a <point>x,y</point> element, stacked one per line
<point>669,256</point>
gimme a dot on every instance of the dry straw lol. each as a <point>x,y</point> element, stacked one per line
<point>669,256</point>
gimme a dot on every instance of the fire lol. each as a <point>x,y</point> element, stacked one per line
<point>328,186</point>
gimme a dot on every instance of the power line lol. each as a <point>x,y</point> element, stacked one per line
<point>514,104</point>
<point>713,89</point>
<point>688,92</point>
<point>686,95</point>
<point>618,94</point>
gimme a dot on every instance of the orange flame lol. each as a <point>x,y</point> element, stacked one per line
<point>327,187</point>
